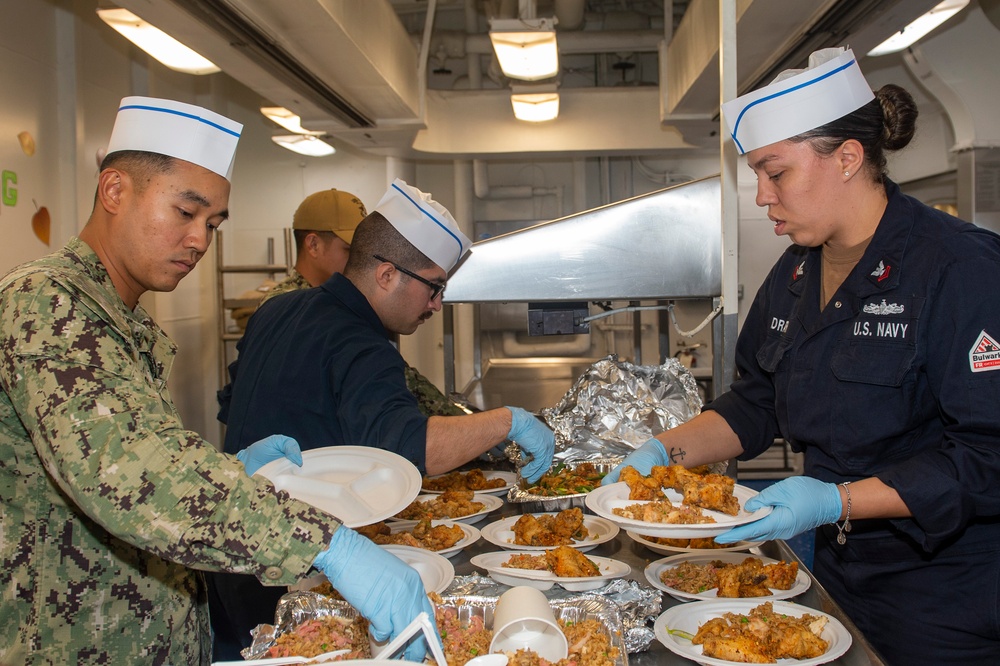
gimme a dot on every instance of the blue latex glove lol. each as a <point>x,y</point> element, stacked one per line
<point>800,503</point>
<point>270,448</point>
<point>643,459</point>
<point>381,586</point>
<point>533,437</point>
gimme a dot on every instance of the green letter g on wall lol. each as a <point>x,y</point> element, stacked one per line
<point>8,193</point>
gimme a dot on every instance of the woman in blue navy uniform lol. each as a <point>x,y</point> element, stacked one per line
<point>872,347</point>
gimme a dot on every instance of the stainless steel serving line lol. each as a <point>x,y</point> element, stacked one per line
<point>637,556</point>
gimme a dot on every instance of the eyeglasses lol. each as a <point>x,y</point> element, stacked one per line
<point>436,288</point>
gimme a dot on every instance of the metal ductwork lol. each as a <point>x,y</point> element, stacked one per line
<point>670,242</point>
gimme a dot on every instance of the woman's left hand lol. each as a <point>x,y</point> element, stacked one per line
<point>800,504</point>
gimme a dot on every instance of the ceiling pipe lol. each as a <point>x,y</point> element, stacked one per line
<point>473,66</point>
<point>425,50</point>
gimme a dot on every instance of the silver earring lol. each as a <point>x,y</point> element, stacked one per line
<point>847,173</point>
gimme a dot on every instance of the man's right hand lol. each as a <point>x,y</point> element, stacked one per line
<point>381,586</point>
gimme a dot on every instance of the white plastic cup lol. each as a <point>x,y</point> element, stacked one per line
<point>523,619</point>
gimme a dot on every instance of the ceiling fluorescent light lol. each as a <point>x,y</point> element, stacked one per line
<point>919,27</point>
<point>286,119</point>
<point>526,48</point>
<point>305,144</point>
<point>157,43</point>
<point>535,103</point>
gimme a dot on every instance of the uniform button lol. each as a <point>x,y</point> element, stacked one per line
<point>837,304</point>
<point>273,573</point>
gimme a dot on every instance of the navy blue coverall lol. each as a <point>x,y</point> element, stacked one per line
<point>316,365</point>
<point>898,377</point>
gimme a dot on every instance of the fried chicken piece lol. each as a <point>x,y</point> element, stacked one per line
<point>713,492</point>
<point>373,530</point>
<point>781,575</point>
<point>567,562</point>
<point>437,537</point>
<point>529,532</point>
<point>559,530</point>
<point>741,649</point>
<point>663,512</point>
<point>743,580</point>
<point>641,487</point>
<point>568,523</point>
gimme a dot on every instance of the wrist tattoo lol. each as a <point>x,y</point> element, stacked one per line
<point>676,454</point>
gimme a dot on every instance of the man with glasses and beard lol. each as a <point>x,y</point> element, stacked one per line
<point>319,365</point>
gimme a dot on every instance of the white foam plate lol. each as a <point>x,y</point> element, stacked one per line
<point>509,478</point>
<point>605,499</point>
<point>688,617</point>
<point>471,535</point>
<point>501,533</point>
<point>359,485</point>
<point>436,571</point>
<point>543,580</point>
<point>655,568</point>
<point>490,503</point>
<point>673,550</point>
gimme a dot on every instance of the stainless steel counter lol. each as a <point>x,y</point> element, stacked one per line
<point>638,556</point>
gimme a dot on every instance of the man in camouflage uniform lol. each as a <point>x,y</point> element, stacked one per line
<point>323,226</point>
<point>107,504</point>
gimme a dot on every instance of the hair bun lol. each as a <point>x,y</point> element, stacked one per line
<point>899,113</point>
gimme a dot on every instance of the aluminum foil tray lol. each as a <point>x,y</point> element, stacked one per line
<point>295,608</point>
<point>520,494</point>
<point>575,608</point>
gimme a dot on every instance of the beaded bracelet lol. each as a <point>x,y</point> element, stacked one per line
<point>846,527</point>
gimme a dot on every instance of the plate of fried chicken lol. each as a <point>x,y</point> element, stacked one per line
<point>719,633</point>
<point>674,502</point>
<point>540,531</point>
<point>562,565</point>
<point>703,576</point>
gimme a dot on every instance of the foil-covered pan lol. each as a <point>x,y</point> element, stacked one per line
<point>522,492</point>
<point>573,609</point>
<point>295,608</point>
<point>637,604</point>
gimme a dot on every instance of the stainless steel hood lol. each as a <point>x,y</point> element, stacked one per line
<point>666,244</point>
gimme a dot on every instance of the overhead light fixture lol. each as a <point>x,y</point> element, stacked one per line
<point>286,119</point>
<point>535,104</point>
<point>919,27</point>
<point>305,144</point>
<point>157,43</point>
<point>526,48</point>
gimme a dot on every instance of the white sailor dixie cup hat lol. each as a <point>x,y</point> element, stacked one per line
<point>798,100</point>
<point>176,129</point>
<point>425,223</point>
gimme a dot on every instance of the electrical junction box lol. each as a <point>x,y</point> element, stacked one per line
<point>558,318</point>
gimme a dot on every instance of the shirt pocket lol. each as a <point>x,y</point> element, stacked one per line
<point>873,404</point>
<point>874,363</point>
<point>772,352</point>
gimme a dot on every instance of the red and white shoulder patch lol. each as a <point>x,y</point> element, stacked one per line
<point>985,354</point>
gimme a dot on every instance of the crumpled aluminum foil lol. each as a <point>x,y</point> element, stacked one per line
<point>637,604</point>
<point>295,608</point>
<point>616,406</point>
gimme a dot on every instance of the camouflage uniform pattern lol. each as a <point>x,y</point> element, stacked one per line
<point>107,505</point>
<point>293,282</point>
<point>431,401</point>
